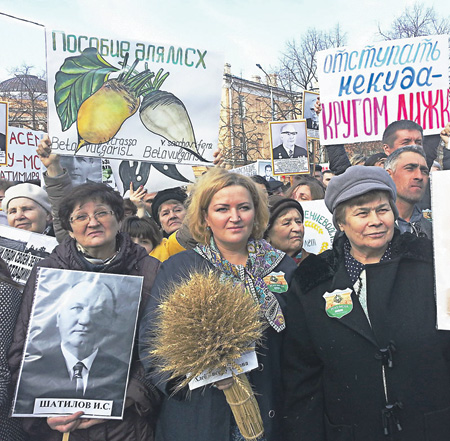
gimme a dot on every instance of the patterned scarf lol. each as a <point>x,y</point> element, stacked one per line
<point>262,259</point>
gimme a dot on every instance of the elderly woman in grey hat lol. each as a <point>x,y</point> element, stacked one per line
<point>27,207</point>
<point>362,359</point>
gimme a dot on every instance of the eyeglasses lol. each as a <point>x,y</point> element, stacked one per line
<point>85,218</point>
<point>289,133</point>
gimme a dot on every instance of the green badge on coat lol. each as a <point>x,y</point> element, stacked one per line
<point>276,282</point>
<point>338,303</point>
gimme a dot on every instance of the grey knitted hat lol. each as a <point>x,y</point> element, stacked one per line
<point>356,181</point>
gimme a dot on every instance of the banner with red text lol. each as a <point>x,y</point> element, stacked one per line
<point>365,88</point>
<point>23,162</point>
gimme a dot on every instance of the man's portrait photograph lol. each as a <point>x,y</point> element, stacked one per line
<point>82,169</point>
<point>312,118</point>
<point>265,170</point>
<point>289,147</point>
<point>78,348</point>
<point>3,132</point>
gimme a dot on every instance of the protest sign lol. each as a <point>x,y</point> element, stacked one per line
<point>261,167</point>
<point>365,88</point>
<point>153,177</point>
<point>23,162</point>
<point>82,169</point>
<point>247,170</point>
<point>309,113</point>
<point>440,182</point>
<point>21,249</point>
<point>75,327</point>
<point>3,132</point>
<point>319,228</point>
<point>288,147</point>
<point>132,100</point>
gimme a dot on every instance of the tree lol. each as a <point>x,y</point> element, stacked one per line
<point>298,69</point>
<point>366,148</point>
<point>27,97</point>
<point>243,122</point>
<point>416,21</point>
<point>247,106</point>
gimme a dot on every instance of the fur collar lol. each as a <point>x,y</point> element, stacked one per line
<point>319,268</point>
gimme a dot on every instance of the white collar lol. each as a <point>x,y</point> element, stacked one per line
<point>71,360</point>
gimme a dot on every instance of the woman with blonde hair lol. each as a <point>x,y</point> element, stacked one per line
<point>227,214</point>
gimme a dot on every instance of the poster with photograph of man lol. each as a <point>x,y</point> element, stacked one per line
<point>79,345</point>
<point>262,167</point>
<point>82,169</point>
<point>22,249</point>
<point>3,132</point>
<point>265,170</point>
<point>312,119</point>
<point>289,147</point>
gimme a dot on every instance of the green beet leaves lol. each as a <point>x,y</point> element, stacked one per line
<point>79,78</point>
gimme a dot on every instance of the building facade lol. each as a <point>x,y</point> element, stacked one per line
<point>247,107</point>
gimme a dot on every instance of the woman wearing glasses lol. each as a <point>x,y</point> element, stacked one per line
<point>91,215</point>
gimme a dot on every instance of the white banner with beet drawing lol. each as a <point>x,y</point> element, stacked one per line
<point>129,100</point>
<point>365,88</point>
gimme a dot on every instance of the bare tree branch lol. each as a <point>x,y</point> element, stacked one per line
<point>27,99</point>
<point>298,69</point>
<point>416,21</point>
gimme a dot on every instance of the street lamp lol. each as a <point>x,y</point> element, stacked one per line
<point>269,82</point>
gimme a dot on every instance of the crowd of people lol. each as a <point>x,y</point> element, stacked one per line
<point>350,349</point>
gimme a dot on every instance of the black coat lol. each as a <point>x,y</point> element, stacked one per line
<point>141,395</point>
<point>205,415</point>
<point>333,368</point>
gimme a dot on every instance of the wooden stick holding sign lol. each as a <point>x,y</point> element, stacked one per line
<point>66,436</point>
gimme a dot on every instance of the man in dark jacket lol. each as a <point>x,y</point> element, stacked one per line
<point>287,149</point>
<point>408,169</point>
<point>78,365</point>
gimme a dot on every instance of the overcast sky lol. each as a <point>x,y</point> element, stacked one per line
<point>246,31</point>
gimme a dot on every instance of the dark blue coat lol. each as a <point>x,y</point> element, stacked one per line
<point>205,415</point>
